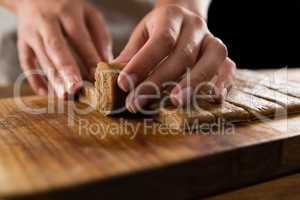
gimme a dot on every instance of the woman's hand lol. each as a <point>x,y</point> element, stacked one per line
<point>164,45</point>
<point>46,32</point>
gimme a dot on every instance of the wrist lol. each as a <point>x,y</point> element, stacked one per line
<point>199,7</point>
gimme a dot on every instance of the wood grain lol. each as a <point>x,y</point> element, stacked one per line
<point>8,91</point>
<point>45,154</point>
<point>286,188</point>
<point>60,154</point>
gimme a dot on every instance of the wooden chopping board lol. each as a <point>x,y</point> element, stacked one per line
<point>43,154</point>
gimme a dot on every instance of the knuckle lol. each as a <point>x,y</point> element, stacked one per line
<point>75,32</point>
<point>26,32</point>
<point>64,7</point>
<point>54,43</point>
<point>168,38</point>
<point>188,54</point>
<point>96,13</point>
<point>173,9</point>
<point>93,12</point>
<point>200,77</point>
<point>72,28</point>
<point>29,37</point>
<point>230,66</point>
<point>36,44</point>
<point>25,58</point>
<point>199,21</point>
<point>79,38</point>
<point>83,36</point>
<point>220,48</point>
<point>46,18</point>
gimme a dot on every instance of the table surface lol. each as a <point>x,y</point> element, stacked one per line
<point>196,165</point>
<point>285,188</point>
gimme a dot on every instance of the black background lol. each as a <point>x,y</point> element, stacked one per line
<point>258,33</point>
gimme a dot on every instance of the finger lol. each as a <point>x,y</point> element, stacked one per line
<point>80,38</point>
<point>99,33</point>
<point>29,66</point>
<point>184,56</point>
<point>59,53</point>
<point>161,42</point>
<point>224,80</point>
<point>214,54</point>
<point>142,95</point>
<point>129,105</point>
<point>137,40</point>
<point>48,67</point>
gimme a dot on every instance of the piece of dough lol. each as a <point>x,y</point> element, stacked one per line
<point>291,88</point>
<point>258,107</point>
<point>226,111</point>
<point>292,104</point>
<point>178,118</point>
<point>201,115</point>
<point>248,99</point>
<point>89,95</point>
<point>111,97</point>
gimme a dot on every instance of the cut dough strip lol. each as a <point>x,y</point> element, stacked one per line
<point>251,98</point>
<point>111,97</point>
<point>105,96</point>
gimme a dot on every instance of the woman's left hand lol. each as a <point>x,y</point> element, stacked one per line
<point>167,42</point>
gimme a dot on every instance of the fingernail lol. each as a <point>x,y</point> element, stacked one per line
<point>73,83</point>
<point>139,103</point>
<point>74,88</point>
<point>131,109</point>
<point>108,55</point>
<point>129,102</point>
<point>128,107</point>
<point>127,82</point>
<point>221,97</point>
<point>183,96</point>
<point>42,91</point>
<point>175,90</point>
<point>60,90</point>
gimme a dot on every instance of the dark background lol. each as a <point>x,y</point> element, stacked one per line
<point>258,33</point>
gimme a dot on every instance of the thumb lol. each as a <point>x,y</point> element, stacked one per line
<point>135,43</point>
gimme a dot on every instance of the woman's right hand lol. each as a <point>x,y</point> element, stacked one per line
<point>45,30</point>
